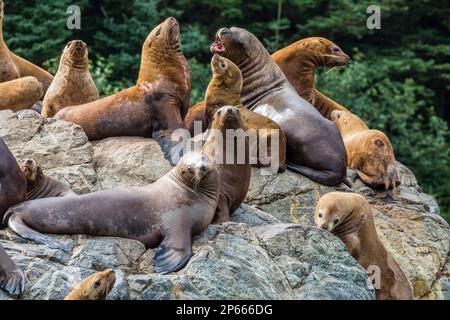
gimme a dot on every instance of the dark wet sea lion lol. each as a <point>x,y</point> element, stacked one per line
<point>164,70</point>
<point>234,171</point>
<point>225,89</point>
<point>298,62</point>
<point>314,145</point>
<point>39,185</point>
<point>166,213</point>
<point>73,84</point>
<point>369,152</point>
<point>13,190</point>
<point>349,217</point>
<point>13,67</point>
<point>95,287</point>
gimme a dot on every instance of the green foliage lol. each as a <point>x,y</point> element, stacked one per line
<point>398,81</point>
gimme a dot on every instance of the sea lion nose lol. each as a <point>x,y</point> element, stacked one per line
<point>230,110</point>
<point>29,161</point>
<point>202,167</point>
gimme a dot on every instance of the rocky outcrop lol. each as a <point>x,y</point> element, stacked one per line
<point>270,250</point>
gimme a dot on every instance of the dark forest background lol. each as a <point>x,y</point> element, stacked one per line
<point>398,80</point>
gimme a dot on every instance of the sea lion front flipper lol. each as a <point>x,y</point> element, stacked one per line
<point>16,224</point>
<point>174,251</point>
<point>12,279</point>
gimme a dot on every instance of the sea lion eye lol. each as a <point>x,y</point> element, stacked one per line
<point>335,221</point>
<point>97,284</point>
<point>320,215</point>
<point>336,49</point>
<point>339,115</point>
<point>158,32</point>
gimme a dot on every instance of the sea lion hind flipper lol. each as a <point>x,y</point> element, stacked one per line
<point>325,177</point>
<point>16,224</point>
<point>174,252</point>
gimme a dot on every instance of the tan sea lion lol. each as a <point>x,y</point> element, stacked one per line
<point>13,190</point>
<point>349,217</point>
<point>95,287</point>
<point>73,84</point>
<point>368,151</point>
<point>233,163</point>
<point>164,69</point>
<point>225,89</point>
<point>166,213</point>
<point>20,94</point>
<point>299,61</point>
<point>13,67</point>
<point>314,145</point>
<point>39,185</point>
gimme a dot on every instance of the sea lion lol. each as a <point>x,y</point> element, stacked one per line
<point>20,94</point>
<point>368,151</point>
<point>232,163</point>
<point>73,84</point>
<point>166,213</point>
<point>39,185</point>
<point>314,145</point>
<point>225,89</point>
<point>95,287</point>
<point>349,217</point>
<point>13,190</point>
<point>164,69</point>
<point>299,60</point>
<point>196,114</point>
<point>13,67</point>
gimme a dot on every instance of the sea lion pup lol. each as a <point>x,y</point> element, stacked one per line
<point>73,84</point>
<point>369,152</point>
<point>225,89</point>
<point>13,67</point>
<point>298,62</point>
<point>166,213</point>
<point>20,94</point>
<point>164,69</point>
<point>349,217</point>
<point>13,190</point>
<point>40,185</point>
<point>233,163</point>
<point>95,287</point>
<point>314,145</point>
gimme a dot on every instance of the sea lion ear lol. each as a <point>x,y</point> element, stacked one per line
<point>378,143</point>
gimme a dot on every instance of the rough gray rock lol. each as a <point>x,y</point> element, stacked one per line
<point>269,250</point>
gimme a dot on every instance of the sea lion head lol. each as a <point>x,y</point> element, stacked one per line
<point>197,171</point>
<point>164,36</point>
<point>325,52</point>
<point>31,170</point>
<point>236,44</point>
<point>330,212</point>
<point>227,117</point>
<point>226,73</point>
<point>98,285</point>
<point>75,53</point>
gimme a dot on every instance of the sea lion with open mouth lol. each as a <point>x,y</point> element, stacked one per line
<point>314,145</point>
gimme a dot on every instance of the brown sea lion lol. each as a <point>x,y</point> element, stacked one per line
<point>164,69</point>
<point>73,84</point>
<point>349,217</point>
<point>20,94</point>
<point>39,185</point>
<point>233,163</point>
<point>369,152</point>
<point>13,67</point>
<point>314,145</point>
<point>166,213</point>
<point>13,190</point>
<point>225,89</point>
<point>299,60</point>
<point>95,287</point>
<point>196,114</point>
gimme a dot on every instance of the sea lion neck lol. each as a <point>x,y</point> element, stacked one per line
<point>261,75</point>
<point>2,41</point>
<point>208,185</point>
<point>71,62</point>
